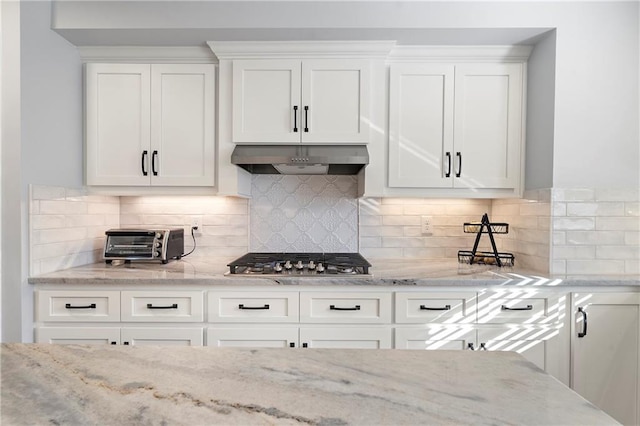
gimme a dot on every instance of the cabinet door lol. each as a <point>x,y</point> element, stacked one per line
<point>487,125</point>
<point>346,337</point>
<point>78,335</point>
<point>188,336</point>
<point>252,337</point>
<point>435,337</point>
<point>335,101</point>
<point>182,124</point>
<point>118,106</point>
<point>536,344</point>
<point>605,359</point>
<point>265,93</point>
<point>421,126</point>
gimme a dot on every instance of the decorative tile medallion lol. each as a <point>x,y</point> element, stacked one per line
<point>303,214</point>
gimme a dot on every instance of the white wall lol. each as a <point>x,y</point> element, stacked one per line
<point>42,140</point>
<point>11,197</point>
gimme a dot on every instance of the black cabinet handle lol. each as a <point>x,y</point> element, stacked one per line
<point>154,156</point>
<point>470,347</point>
<point>426,308</point>
<point>70,306</point>
<point>305,345</point>
<point>526,308</point>
<point>448,174</point>
<point>306,119</point>
<point>584,322</point>
<point>125,343</point>
<point>113,343</point>
<point>482,347</point>
<point>295,118</point>
<point>241,306</point>
<point>334,308</point>
<point>144,163</point>
<point>459,164</point>
<point>150,306</point>
<point>292,345</point>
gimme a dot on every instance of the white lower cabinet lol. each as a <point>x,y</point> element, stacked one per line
<point>605,352</point>
<point>253,336</point>
<point>346,337</point>
<point>435,337</point>
<point>91,335</point>
<point>174,336</point>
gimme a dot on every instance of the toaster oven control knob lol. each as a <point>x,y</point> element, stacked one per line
<point>158,244</point>
<point>156,253</point>
<point>287,265</point>
<point>320,267</point>
<point>278,267</point>
<point>159,235</point>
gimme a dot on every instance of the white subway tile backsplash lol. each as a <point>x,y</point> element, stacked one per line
<point>569,224</point>
<point>617,194</point>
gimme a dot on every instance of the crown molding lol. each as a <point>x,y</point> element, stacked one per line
<point>459,53</point>
<point>301,49</point>
<point>147,54</point>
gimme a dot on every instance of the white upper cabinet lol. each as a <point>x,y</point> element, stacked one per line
<point>487,125</point>
<point>455,126</point>
<point>421,125</point>
<point>294,101</point>
<point>150,124</point>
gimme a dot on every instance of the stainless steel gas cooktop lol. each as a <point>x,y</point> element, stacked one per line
<point>300,264</point>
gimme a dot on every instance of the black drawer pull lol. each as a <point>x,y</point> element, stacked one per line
<point>255,308</point>
<point>70,306</point>
<point>150,306</point>
<point>426,308</point>
<point>334,308</point>
<point>526,308</point>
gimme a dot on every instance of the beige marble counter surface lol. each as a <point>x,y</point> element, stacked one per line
<point>198,271</point>
<point>104,385</point>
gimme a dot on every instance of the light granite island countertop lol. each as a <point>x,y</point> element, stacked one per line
<point>91,385</point>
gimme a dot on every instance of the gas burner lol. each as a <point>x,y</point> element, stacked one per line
<point>300,264</point>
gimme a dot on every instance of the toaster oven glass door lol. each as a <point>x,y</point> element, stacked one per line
<point>134,246</point>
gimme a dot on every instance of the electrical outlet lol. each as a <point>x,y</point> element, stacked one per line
<point>426,223</point>
<point>196,222</point>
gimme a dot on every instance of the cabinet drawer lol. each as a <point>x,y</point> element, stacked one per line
<point>525,307</point>
<point>169,306</point>
<point>450,308</point>
<point>366,337</point>
<point>332,307</point>
<point>252,306</point>
<point>78,306</point>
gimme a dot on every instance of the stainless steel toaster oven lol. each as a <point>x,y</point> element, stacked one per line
<point>144,244</point>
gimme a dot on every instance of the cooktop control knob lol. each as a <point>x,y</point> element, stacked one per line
<point>299,265</point>
<point>320,267</point>
<point>312,265</point>
<point>287,265</point>
<point>159,235</point>
<point>278,267</point>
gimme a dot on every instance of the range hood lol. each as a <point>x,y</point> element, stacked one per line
<point>301,159</point>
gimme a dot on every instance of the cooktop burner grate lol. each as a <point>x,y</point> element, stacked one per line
<point>300,264</point>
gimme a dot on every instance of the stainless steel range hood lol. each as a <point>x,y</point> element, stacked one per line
<point>301,159</point>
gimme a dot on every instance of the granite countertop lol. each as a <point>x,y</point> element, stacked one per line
<point>199,271</point>
<point>82,385</point>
